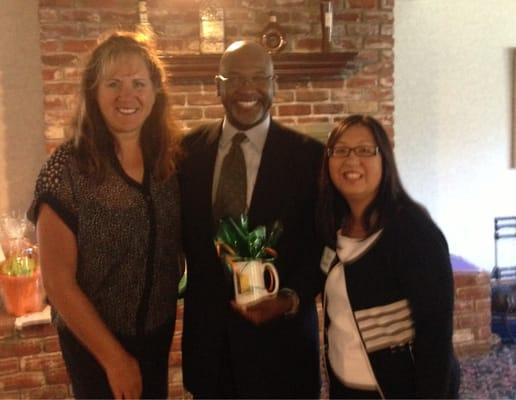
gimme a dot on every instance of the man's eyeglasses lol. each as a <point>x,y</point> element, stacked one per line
<point>360,151</point>
<point>237,80</point>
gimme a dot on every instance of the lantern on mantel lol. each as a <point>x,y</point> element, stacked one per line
<point>211,32</point>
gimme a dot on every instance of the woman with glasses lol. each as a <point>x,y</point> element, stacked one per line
<point>388,292</point>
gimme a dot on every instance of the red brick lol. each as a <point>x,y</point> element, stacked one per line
<point>387,82</point>
<point>177,99</point>
<point>119,17</point>
<point>78,46</point>
<point>41,330</point>
<point>294,109</point>
<point>474,320</point>
<point>6,325</point>
<point>337,83</point>
<point>347,16</point>
<point>42,362</point>
<point>202,99</point>
<point>387,4</point>
<point>483,304</point>
<point>473,292</point>
<point>362,3</point>
<point>101,3</point>
<point>312,95</point>
<point>9,366</point>
<point>16,347</point>
<point>285,84</point>
<point>213,112</point>
<point>56,3</point>
<point>50,46</point>
<point>362,107</point>
<point>9,395</point>
<point>361,29</point>
<point>378,16</point>
<point>48,392</point>
<point>23,380</point>
<point>55,60</point>
<point>483,333</point>
<point>50,74</point>
<point>179,88</point>
<point>462,279</point>
<point>48,15</point>
<point>57,375</point>
<point>332,108</point>
<point>80,15</point>
<point>54,31</point>
<point>60,88</point>
<point>385,106</point>
<point>283,96</point>
<point>361,82</point>
<point>51,345</point>
<point>379,42</point>
<point>312,120</point>
<point>464,306</point>
<point>387,30</point>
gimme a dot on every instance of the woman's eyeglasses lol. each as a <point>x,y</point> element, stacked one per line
<point>360,151</point>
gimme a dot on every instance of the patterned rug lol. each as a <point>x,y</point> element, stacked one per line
<point>491,376</point>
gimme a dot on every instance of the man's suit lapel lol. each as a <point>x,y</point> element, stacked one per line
<point>205,164</point>
<point>269,178</point>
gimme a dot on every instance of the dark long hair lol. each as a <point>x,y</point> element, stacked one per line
<point>159,137</point>
<point>333,210</point>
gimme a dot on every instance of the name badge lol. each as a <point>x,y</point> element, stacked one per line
<point>327,258</point>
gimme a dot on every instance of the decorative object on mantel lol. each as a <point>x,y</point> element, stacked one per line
<point>21,288</point>
<point>211,19</point>
<point>143,17</point>
<point>273,36</point>
<point>326,25</point>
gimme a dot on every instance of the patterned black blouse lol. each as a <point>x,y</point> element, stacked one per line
<point>128,239</point>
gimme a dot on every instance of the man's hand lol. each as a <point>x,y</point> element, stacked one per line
<point>266,310</point>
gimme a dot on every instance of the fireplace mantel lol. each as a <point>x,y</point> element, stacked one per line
<point>287,65</point>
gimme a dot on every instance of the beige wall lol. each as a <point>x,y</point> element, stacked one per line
<point>21,110</point>
<point>453,117</point>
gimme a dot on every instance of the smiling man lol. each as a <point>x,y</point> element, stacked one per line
<point>249,163</point>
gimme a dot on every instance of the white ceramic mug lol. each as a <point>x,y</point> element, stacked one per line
<point>249,281</point>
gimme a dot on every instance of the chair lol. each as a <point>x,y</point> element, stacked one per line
<point>503,282</point>
<point>504,228</point>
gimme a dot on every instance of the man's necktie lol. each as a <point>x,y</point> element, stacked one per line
<point>232,189</point>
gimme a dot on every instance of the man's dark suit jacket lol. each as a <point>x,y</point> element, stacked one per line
<point>281,358</point>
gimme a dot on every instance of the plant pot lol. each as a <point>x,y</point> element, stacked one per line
<point>22,294</point>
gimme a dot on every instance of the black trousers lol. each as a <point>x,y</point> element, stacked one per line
<point>89,381</point>
<point>339,391</point>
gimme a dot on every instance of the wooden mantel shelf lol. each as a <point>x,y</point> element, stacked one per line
<point>286,65</point>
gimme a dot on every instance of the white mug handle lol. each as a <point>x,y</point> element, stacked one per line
<point>274,285</point>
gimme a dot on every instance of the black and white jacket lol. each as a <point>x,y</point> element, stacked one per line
<point>401,294</point>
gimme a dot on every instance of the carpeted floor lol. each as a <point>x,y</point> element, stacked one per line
<point>491,376</point>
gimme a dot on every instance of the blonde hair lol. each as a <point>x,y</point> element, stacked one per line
<point>159,138</point>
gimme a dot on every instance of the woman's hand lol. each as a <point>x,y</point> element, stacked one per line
<point>124,377</point>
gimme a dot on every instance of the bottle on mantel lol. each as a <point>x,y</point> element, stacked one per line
<point>211,19</point>
<point>326,25</point>
<point>273,36</point>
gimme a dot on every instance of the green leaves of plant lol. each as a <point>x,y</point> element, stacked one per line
<point>234,237</point>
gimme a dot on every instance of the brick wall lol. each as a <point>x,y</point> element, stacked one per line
<point>31,365</point>
<point>69,28</point>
